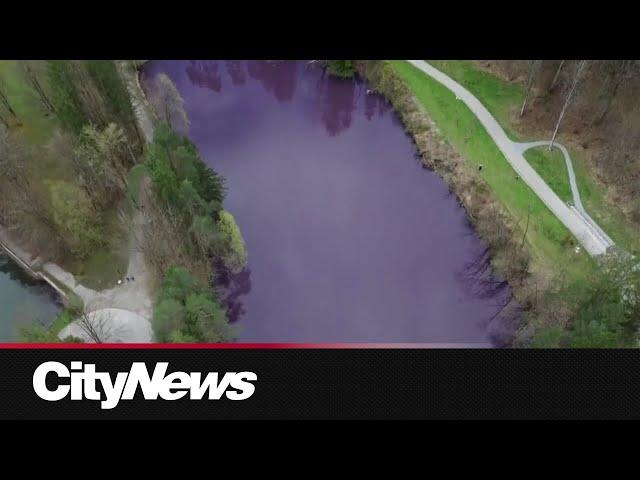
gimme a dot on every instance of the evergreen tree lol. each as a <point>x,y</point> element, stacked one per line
<point>64,97</point>
<point>108,81</point>
<point>341,68</point>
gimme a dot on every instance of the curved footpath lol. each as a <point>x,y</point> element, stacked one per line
<point>579,223</point>
<point>575,193</point>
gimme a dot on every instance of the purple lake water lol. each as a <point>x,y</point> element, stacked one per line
<point>349,238</point>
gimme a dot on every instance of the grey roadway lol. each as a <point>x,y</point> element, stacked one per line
<point>577,221</point>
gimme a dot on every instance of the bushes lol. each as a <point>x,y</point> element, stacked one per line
<point>37,333</point>
<point>341,68</point>
<point>210,184</point>
<point>64,98</point>
<point>188,312</point>
<point>191,197</point>
<point>106,78</point>
<point>205,232</point>
<point>234,253</point>
<point>75,218</point>
<point>184,183</point>
<point>162,174</point>
<point>90,92</point>
<point>172,159</point>
<point>601,309</point>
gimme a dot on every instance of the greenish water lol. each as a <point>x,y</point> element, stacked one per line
<point>23,301</point>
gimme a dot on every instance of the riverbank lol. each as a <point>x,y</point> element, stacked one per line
<point>344,230</point>
<point>25,301</point>
<point>504,98</point>
<point>509,252</point>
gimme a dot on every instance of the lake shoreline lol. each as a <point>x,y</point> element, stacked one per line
<point>483,210</point>
<point>31,267</point>
<point>334,100</point>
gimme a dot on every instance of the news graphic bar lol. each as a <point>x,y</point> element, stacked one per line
<point>289,384</point>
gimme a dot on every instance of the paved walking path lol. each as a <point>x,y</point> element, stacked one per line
<point>575,193</point>
<point>592,238</point>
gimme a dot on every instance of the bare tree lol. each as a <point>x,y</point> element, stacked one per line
<point>570,95</point>
<point>162,239</point>
<point>169,104</point>
<point>533,68</point>
<point>92,102</point>
<point>101,163</point>
<point>556,76</point>
<point>17,195</point>
<point>110,143</point>
<point>92,327</point>
<point>4,99</point>
<point>98,326</point>
<point>620,74</point>
<point>31,76</point>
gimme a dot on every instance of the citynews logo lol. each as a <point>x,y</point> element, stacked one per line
<point>174,386</point>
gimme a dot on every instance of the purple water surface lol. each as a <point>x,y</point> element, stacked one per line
<point>349,238</point>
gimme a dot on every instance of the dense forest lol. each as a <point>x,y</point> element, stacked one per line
<point>62,171</point>
<point>74,167</point>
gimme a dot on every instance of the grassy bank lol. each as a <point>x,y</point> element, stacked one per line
<point>551,166</point>
<point>550,243</point>
<point>579,304</point>
<point>504,100</point>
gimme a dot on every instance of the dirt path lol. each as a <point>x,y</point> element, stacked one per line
<point>128,307</point>
<point>584,229</point>
<point>141,107</point>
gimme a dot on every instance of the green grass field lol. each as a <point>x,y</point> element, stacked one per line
<point>551,166</point>
<point>100,269</point>
<point>33,123</point>
<point>610,218</point>
<point>504,100</point>
<point>552,245</point>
